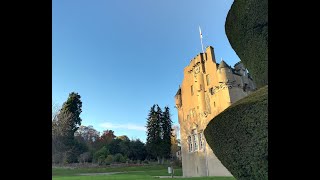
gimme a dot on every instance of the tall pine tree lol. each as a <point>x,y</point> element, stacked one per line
<point>153,134</point>
<point>166,130</point>
<point>159,133</point>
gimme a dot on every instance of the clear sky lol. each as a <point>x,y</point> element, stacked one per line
<point>123,56</point>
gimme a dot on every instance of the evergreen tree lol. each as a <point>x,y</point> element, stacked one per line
<point>159,133</point>
<point>74,106</point>
<point>166,131</point>
<point>153,133</point>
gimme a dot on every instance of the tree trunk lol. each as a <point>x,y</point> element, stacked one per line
<point>158,159</point>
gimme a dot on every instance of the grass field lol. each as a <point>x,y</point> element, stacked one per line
<point>124,173</point>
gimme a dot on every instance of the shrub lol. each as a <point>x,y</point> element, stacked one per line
<point>177,163</point>
<point>239,136</point>
<point>119,158</point>
<point>247,30</point>
<point>146,162</point>
<point>109,159</point>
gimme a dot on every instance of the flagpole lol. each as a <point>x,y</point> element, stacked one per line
<point>201,39</point>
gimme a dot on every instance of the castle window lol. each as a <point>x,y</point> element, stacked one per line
<point>211,91</point>
<point>191,90</point>
<point>208,79</point>
<point>189,144</point>
<point>200,87</point>
<point>214,104</point>
<point>201,140</point>
<point>194,140</point>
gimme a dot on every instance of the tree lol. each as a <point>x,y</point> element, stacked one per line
<point>166,124</point>
<point>64,125</point>
<point>174,142</point>
<point>159,133</point>
<point>105,139</point>
<point>153,134</point>
<point>55,110</point>
<point>85,157</point>
<point>119,158</point>
<point>123,138</point>
<point>100,155</point>
<point>59,138</point>
<point>124,146</point>
<point>74,106</point>
<point>114,146</point>
<point>87,135</point>
<point>137,150</point>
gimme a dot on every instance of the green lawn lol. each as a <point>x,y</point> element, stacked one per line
<point>127,173</point>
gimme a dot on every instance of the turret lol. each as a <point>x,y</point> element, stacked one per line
<point>178,98</point>
<point>240,69</point>
<point>224,72</point>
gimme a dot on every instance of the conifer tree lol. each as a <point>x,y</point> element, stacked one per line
<point>153,134</point>
<point>166,130</point>
<point>159,133</point>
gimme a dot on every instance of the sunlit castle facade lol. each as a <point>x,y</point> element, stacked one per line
<point>206,90</point>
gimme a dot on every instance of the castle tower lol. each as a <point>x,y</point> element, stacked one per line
<point>206,90</point>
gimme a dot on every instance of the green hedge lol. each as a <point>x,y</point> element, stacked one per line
<point>247,30</point>
<point>239,136</point>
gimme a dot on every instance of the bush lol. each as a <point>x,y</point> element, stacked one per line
<point>177,163</point>
<point>247,30</point>
<point>109,159</point>
<point>101,153</point>
<point>145,162</point>
<point>119,158</point>
<point>101,160</point>
<point>239,136</point>
<point>85,157</point>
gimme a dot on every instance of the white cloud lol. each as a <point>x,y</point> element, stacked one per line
<point>129,126</point>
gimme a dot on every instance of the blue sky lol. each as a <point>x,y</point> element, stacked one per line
<point>124,56</point>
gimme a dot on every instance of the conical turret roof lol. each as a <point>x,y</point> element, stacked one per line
<point>223,65</point>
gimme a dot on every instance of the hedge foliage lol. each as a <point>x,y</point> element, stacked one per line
<point>239,136</point>
<point>247,30</point>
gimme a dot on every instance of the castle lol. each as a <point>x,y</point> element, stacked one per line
<point>206,90</point>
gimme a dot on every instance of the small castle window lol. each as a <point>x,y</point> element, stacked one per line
<point>201,140</point>
<point>211,91</point>
<point>214,104</point>
<point>194,139</point>
<point>195,142</point>
<point>191,90</point>
<point>208,79</point>
<point>189,144</point>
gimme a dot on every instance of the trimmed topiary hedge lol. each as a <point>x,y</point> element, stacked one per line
<point>247,30</point>
<point>239,136</point>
